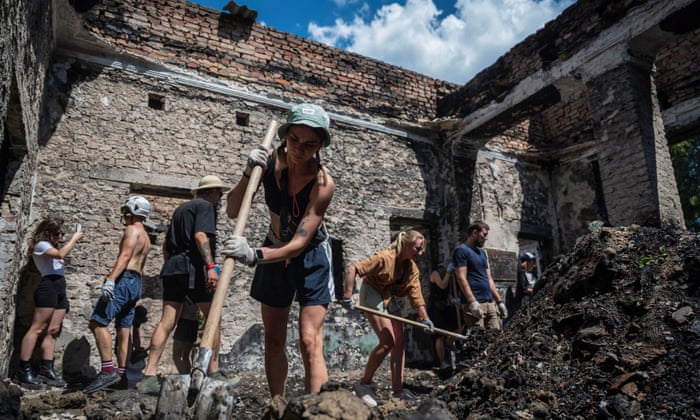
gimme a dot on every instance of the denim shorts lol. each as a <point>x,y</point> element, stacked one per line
<point>308,276</point>
<point>127,292</point>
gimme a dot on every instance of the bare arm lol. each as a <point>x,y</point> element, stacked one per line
<point>65,249</point>
<point>350,275</point>
<point>492,285</point>
<point>441,282</point>
<point>203,246</point>
<point>234,198</point>
<point>461,274</point>
<point>422,312</point>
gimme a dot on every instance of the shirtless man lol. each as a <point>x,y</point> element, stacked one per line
<point>120,292</point>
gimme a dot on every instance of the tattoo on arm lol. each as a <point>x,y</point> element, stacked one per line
<point>205,251</point>
<point>301,231</point>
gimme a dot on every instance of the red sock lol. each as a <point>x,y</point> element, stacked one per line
<point>107,366</point>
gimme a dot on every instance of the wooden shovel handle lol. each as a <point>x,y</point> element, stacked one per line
<point>217,302</point>
<point>409,321</point>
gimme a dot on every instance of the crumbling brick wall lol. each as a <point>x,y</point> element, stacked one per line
<point>262,58</point>
<point>26,44</point>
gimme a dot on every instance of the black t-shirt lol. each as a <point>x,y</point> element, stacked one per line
<point>197,215</point>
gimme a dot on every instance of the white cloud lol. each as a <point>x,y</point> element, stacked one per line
<point>453,47</point>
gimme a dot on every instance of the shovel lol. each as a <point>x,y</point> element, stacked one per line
<point>195,395</point>
<point>410,322</point>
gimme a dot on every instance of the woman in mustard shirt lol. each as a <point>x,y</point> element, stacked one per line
<point>390,272</point>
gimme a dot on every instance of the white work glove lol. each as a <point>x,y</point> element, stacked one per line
<point>107,290</point>
<point>428,323</point>
<point>475,310</point>
<point>256,157</point>
<point>238,248</point>
<point>502,310</point>
<point>348,304</point>
<point>450,268</point>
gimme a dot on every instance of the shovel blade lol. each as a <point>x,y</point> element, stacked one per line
<point>172,402</point>
<point>215,400</point>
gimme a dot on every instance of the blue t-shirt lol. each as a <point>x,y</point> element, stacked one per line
<point>477,262</point>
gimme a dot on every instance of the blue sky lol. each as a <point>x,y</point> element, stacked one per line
<point>447,39</point>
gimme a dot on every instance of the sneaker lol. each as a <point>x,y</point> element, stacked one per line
<point>149,385</point>
<point>102,381</point>
<point>366,394</point>
<point>405,395</point>
<point>122,383</point>
<point>445,365</point>
<point>218,376</point>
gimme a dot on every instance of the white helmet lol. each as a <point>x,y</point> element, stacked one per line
<point>136,205</point>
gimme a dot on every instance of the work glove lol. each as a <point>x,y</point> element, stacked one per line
<point>238,248</point>
<point>108,290</point>
<point>475,310</point>
<point>450,268</point>
<point>256,157</point>
<point>502,310</point>
<point>428,323</point>
<point>348,304</point>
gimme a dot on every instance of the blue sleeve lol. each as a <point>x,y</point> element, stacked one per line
<point>459,258</point>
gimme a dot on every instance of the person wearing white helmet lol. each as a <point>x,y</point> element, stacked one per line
<point>120,292</point>
<point>189,270</point>
<point>295,259</point>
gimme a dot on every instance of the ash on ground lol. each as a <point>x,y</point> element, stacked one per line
<point>611,332</point>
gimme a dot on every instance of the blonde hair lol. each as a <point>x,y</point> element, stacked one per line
<point>407,237</point>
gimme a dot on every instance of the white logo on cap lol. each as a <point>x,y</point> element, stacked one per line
<point>308,111</point>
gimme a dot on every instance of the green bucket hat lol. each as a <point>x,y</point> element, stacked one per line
<point>310,115</point>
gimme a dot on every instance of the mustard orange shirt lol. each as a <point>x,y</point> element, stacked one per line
<point>389,279</point>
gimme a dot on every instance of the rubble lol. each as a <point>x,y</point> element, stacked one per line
<point>610,332</point>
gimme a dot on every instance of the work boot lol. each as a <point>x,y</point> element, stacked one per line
<point>48,376</point>
<point>24,376</point>
<point>103,380</point>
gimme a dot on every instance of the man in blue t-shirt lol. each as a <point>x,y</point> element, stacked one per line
<point>480,296</point>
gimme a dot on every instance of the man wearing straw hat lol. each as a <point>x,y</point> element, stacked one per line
<point>189,271</point>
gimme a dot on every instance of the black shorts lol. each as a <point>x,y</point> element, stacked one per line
<point>444,317</point>
<point>176,288</point>
<point>51,292</point>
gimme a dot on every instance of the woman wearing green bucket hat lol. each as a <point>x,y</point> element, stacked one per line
<point>295,259</point>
